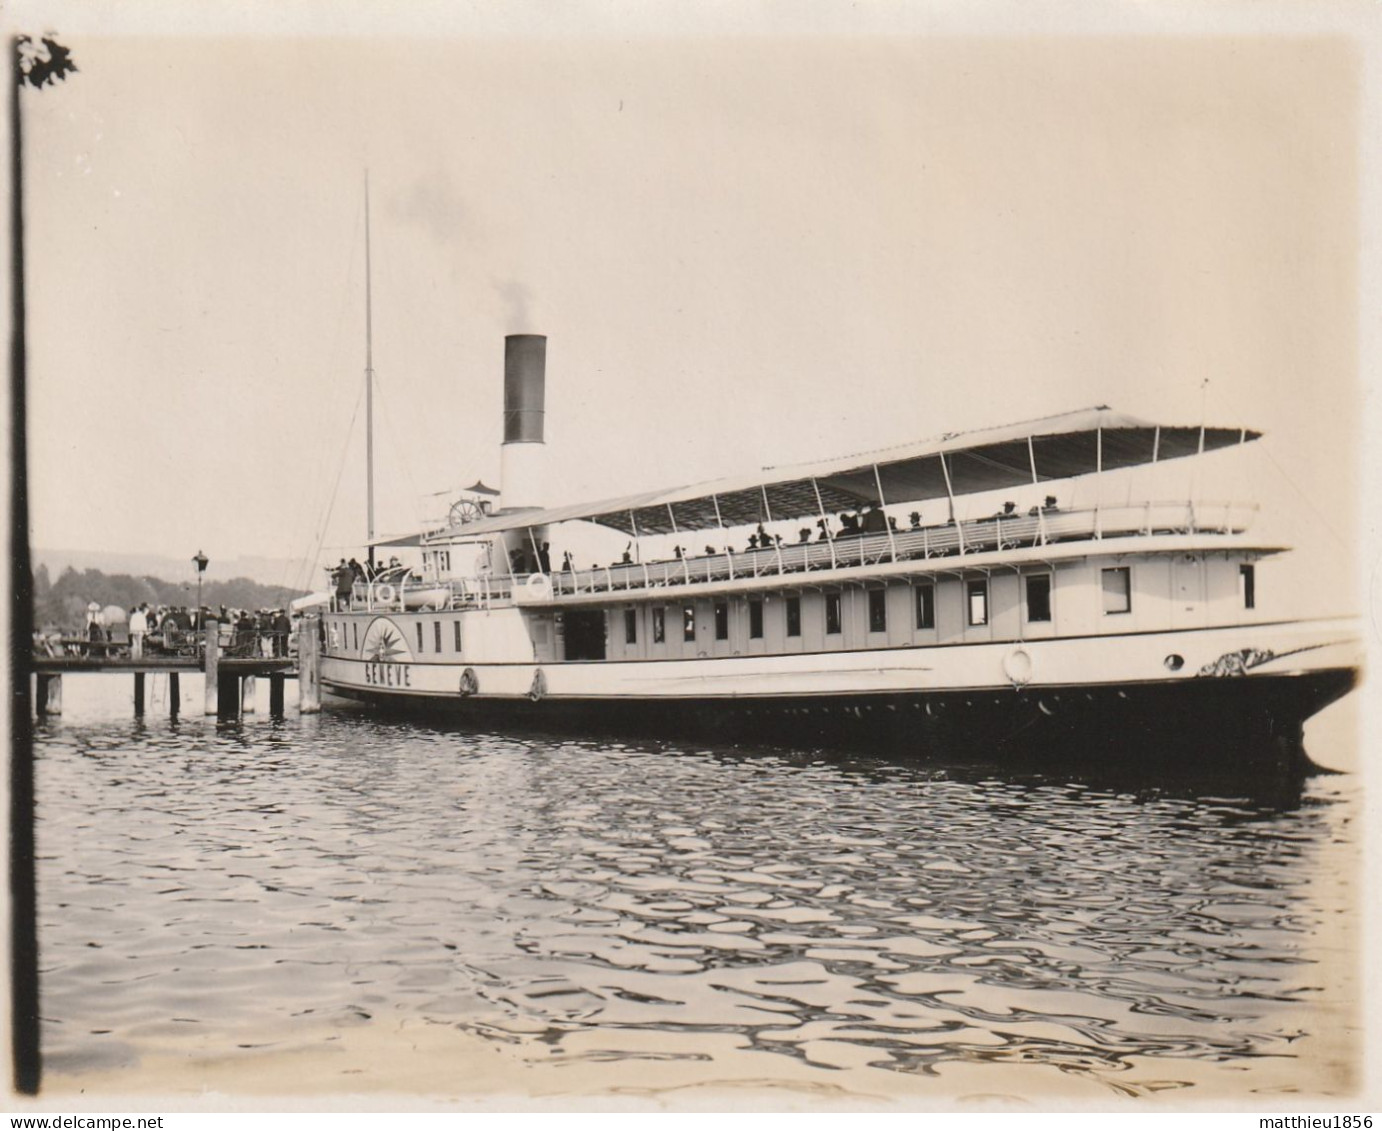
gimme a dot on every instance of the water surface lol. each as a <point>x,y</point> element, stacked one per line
<point>227,889</point>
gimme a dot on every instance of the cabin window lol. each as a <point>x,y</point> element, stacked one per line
<point>436,634</point>
<point>878,610</point>
<point>419,636</point>
<point>444,561</point>
<point>659,625</point>
<point>355,632</point>
<point>688,623</point>
<point>926,606</point>
<point>1247,585</point>
<point>456,631</point>
<point>722,621</point>
<point>1118,590</point>
<point>1038,597</point>
<point>756,620</point>
<point>832,614</point>
<point>793,616</point>
<point>630,626</point>
<point>978,593</point>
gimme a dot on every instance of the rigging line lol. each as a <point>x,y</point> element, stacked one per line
<point>317,501</point>
<point>314,505</point>
<point>335,490</point>
<point>1343,543</point>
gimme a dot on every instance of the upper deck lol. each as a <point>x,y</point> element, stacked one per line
<point>998,541</point>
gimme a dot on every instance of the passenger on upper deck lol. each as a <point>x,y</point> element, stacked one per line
<point>804,535</point>
<point>849,525</point>
<point>824,535</point>
<point>544,557</point>
<point>914,519</point>
<point>875,522</point>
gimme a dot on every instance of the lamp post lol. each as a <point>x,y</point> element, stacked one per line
<point>200,561</point>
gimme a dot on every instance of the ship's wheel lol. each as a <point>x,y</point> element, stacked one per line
<point>463,511</point>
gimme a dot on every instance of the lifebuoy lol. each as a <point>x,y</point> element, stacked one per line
<point>538,585</point>
<point>470,683</point>
<point>385,593</point>
<point>1017,666</point>
<point>539,687</point>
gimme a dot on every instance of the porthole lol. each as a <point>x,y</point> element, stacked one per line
<point>1174,662</point>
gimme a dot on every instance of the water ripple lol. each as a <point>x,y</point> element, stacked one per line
<point>612,902</point>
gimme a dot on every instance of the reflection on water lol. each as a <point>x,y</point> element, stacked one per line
<point>607,901</point>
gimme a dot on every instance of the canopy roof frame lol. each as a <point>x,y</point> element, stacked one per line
<point>1088,442</point>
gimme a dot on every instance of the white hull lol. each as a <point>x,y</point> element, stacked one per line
<point>1272,649</point>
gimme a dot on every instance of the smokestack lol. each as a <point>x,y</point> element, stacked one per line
<point>525,385</point>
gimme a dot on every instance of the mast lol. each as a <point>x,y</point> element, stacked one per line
<point>369,387</point>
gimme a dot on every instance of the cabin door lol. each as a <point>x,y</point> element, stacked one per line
<point>1188,605</point>
<point>585,634</point>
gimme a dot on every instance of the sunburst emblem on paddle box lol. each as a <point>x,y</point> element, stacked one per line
<point>384,643</point>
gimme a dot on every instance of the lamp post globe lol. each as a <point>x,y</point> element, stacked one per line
<point>200,561</point>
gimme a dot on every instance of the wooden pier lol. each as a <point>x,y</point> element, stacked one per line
<point>230,680</point>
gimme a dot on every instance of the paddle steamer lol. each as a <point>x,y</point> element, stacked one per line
<point>851,600</point>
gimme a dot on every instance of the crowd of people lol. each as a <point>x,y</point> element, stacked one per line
<point>174,629</point>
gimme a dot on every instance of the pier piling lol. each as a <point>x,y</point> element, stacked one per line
<point>174,695</point>
<point>138,695</point>
<point>276,681</point>
<point>309,666</point>
<point>211,703</point>
<point>227,696</point>
<point>48,701</point>
<point>247,685</point>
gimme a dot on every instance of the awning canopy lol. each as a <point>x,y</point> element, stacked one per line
<point>992,459</point>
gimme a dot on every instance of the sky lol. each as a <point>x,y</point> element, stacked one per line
<point>754,235</point>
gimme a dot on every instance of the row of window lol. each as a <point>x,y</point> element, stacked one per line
<point>924,596</point>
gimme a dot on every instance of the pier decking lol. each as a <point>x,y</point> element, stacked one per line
<point>230,680</point>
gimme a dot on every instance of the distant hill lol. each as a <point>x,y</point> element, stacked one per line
<point>62,601</point>
<point>266,571</point>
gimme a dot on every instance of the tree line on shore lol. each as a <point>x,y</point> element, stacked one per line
<point>62,604</point>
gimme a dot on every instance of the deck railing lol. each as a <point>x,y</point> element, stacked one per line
<point>952,539</point>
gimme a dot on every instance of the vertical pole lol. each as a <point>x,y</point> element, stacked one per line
<point>309,667</point>
<point>768,511</point>
<point>276,694</point>
<point>825,518</point>
<point>720,522</point>
<point>1041,510</point>
<point>247,686</point>
<point>211,667</point>
<point>138,695</point>
<point>174,694</point>
<point>685,565</point>
<point>27,1065</point>
<point>369,384</point>
<point>638,551</point>
<point>892,541</point>
<point>950,496</point>
<point>1098,482</point>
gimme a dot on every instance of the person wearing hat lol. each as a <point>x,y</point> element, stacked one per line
<point>282,626</point>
